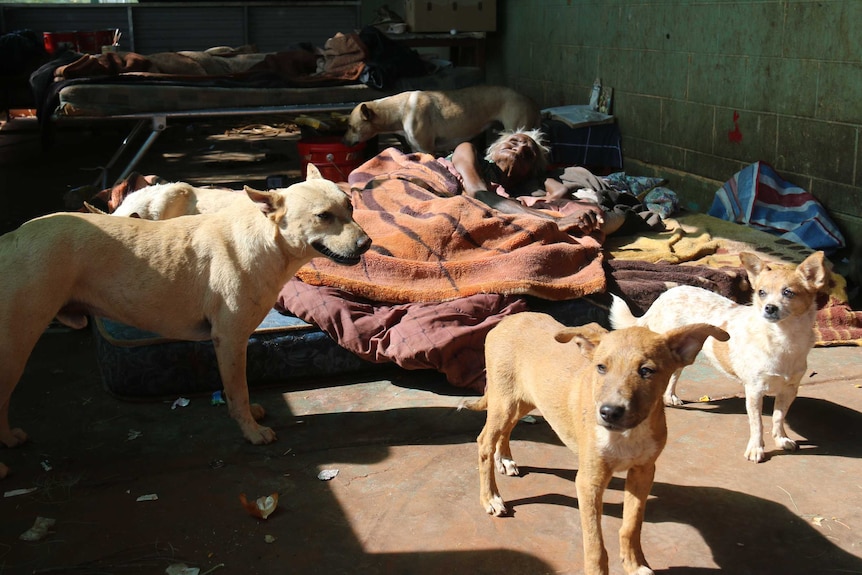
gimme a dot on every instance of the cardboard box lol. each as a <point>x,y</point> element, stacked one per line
<point>447,15</point>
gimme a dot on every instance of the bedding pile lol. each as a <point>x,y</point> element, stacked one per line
<point>416,299</point>
<point>431,244</point>
<point>445,269</point>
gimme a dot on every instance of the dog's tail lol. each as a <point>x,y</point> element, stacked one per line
<point>620,314</point>
<point>480,404</point>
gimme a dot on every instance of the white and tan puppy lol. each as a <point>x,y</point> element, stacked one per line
<point>769,340</point>
<point>165,201</point>
<point>433,121</point>
<point>210,276</point>
<point>601,392</point>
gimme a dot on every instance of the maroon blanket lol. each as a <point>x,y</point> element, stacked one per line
<point>445,336</point>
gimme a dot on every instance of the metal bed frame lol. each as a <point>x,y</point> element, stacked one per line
<point>153,124</point>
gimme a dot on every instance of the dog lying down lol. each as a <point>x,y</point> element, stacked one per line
<point>602,394</point>
<point>166,201</point>
<point>211,276</point>
<point>769,340</point>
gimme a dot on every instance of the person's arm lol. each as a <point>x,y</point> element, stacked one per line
<point>556,190</point>
<point>466,161</point>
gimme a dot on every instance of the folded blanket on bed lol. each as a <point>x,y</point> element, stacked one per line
<point>432,245</point>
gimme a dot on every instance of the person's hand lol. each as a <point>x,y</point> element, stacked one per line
<point>585,220</point>
<point>589,221</point>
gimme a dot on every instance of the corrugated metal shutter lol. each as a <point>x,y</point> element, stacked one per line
<point>168,27</point>
<point>275,28</point>
<point>73,18</point>
<point>171,29</point>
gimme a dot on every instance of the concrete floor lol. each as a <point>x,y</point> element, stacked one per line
<point>405,499</point>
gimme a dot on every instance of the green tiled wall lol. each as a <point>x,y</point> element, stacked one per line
<point>791,70</point>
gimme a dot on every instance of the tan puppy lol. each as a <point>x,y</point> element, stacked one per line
<point>212,276</point>
<point>769,340</point>
<point>165,201</point>
<point>438,121</point>
<point>601,392</point>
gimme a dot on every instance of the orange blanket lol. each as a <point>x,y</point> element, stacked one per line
<point>433,245</point>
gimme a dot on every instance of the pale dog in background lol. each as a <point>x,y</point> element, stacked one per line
<point>433,121</point>
<point>601,392</point>
<point>211,276</point>
<point>769,340</point>
<point>165,201</point>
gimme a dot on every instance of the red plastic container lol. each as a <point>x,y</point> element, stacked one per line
<point>334,160</point>
<point>86,42</point>
<point>58,41</point>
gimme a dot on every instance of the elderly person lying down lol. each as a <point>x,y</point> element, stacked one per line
<point>512,168</point>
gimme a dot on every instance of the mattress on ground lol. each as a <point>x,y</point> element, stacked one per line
<point>116,98</point>
<point>140,364</point>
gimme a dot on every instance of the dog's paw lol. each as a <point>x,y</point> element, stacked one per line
<point>496,506</point>
<point>672,400</point>
<point>260,435</point>
<point>642,570</point>
<point>507,467</point>
<point>14,437</point>
<point>755,453</point>
<point>4,471</point>
<point>786,443</point>
<point>257,411</point>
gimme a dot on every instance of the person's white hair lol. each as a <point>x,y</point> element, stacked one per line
<point>536,135</point>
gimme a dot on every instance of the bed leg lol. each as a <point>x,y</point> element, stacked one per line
<point>158,124</point>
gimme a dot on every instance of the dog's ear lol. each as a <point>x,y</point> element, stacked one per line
<point>586,337</point>
<point>267,202</point>
<point>590,330</point>
<point>814,271</point>
<point>752,264</point>
<point>686,341</point>
<point>313,173</point>
<point>93,209</point>
<point>366,112</point>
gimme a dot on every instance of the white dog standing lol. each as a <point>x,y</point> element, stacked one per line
<point>438,121</point>
<point>769,340</point>
<point>210,276</point>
